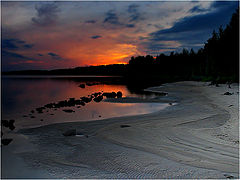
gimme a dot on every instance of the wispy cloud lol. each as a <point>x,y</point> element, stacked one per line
<point>54,56</point>
<point>46,14</point>
<point>96,37</point>
<point>111,18</point>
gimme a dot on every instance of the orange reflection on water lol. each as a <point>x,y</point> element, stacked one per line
<point>20,96</point>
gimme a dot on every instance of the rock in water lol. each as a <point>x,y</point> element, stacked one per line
<point>5,123</point>
<point>71,132</point>
<point>124,126</point>
<point>5,142</point>
<point>82,86</point>
<point>110,95</point>
<point>119,94</point>
<point>86,99</point>
<point>98,99</point>
<point>227,93</point>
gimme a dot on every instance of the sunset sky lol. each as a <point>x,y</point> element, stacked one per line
<point>49,35</point>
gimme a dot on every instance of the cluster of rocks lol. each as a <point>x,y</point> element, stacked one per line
<point>8,124</point>
<point>71,102</point>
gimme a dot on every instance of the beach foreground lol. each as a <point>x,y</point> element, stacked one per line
<point>196,137</point>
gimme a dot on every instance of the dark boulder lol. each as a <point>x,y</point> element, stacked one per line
<point>228,93</point>
<point>5,123</point>
<point>82,86</point>
<point>109,95</point>
<point>86,99</point>
<point>119,94</point>
<point>11,124</point>
<point>5,142</point>
<point>98,99</point>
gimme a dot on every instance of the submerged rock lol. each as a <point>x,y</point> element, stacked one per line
<point>71,132</point>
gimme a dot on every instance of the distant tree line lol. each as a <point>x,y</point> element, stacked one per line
<point>217,60</point>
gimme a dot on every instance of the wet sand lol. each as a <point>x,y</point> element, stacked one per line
<point>195,138</point>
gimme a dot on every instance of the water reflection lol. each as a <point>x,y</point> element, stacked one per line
<point>22,95</point>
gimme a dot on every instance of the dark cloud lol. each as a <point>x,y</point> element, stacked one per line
<point>197,9</point>
<point>7,55</point>
<point>194,30</point>
<point>54,56</point>
<point>132,8</point>
<point>111,18</point>
<point>91,21</point>
<point>9,44</point>
<point>135,15</point>
<point>28,45</point>
<point>96,37</point>
<point>46,14</point>
<point>130,25</point>
<point>40,54</point>
<point>14,44</point>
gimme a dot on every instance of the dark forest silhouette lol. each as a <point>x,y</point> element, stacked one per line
<point>218,61</point>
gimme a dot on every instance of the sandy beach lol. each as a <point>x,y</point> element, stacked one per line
<point>197,136</point>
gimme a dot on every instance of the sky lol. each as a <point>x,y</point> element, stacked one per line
<point>51,35</point>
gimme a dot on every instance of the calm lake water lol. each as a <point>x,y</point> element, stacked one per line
<point>22,94</point>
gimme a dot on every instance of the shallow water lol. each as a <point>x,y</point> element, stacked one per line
<point>20,95</point>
